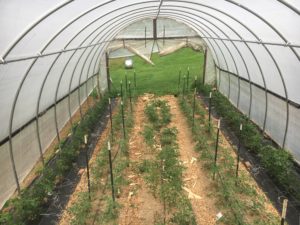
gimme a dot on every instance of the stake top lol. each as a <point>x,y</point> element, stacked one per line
<point>85,139</point>
<point>108,145</point>
<point>219,123</point>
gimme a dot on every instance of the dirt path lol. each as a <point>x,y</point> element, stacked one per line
<point>195,177</point>
<point>138,203</point>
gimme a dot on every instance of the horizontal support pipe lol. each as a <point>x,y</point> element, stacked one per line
<point>288,44</point>
<point>295,104</point>
<point>38,55</point>
<point>17,131</point>
<point>2,61</point>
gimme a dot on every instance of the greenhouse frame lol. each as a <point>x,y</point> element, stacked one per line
<point>54,53</point>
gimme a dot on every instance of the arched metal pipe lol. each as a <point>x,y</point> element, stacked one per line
<point>21,85</point>
<point>237,71</point>
<point>289,6</point>
<point>273,59</point>
<point>6,53</point>
<point>57,88</point>
<point>266,22</point>
<point>86,58</point>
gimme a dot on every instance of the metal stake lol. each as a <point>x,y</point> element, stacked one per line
<point>209,110</point>
<point>183,87</point>
<point>111,172</point>
<point>126,82</point>
<point>134,79</point>
<point>194,105</point>
<point>164,35</point>
<point>238,153</point>
<point>110,117</point>
<point>188,80</point>
<point>129,84</point>
<point>179,77</point>
<point>121,84</point>
<point>123,120</point>
<point>145,37</point>
<point>87,165</point>
<point>216,149</point>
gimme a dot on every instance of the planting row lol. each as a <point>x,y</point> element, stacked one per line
<point>238,196</point>
<point>277,162</point>
<point>108,178</point>
<point>27,207</point>
<point>163,172</point>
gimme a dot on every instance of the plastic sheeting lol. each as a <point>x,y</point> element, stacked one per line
<point>50,48</point>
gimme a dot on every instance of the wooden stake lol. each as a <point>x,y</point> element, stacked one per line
<point>284,209</point>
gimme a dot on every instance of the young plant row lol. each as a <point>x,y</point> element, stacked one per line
<point>163,173</point>
<point>238,198</point>
<point>27,207</point>
<point>277,162</point>
<point>101,208</point>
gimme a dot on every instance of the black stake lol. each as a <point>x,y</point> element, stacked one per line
<point>123,120</point>
<point>194,105</point>
<point>162,184</point>
<point>110,117</point>
<point>179,77</point>
<point>238,154</point>
<point>126,82</point>
<point>87,165</point>
<point>145,37</point>
<point>216,150</point>
<point>283,213</point>
<point>183,87</point>
<point>188,79</point>
<point>129,86</point>
<point>134,79</point>
<point>111,172</point>
<point>164,35</point>
<point>121,84</point>
<point>209,110</point>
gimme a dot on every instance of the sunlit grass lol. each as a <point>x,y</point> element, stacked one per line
<point>162,78</point>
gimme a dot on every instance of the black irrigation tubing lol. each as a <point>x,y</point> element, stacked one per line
<point>272,190</point>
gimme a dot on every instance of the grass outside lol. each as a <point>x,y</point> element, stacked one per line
<point>162,78</point>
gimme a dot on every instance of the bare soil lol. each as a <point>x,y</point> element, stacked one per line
<point>139,206</point>
<point>197,183</point>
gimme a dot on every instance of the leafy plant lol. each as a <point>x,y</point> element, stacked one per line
<point>277,162</point>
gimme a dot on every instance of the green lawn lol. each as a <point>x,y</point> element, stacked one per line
<point>162,78</point>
